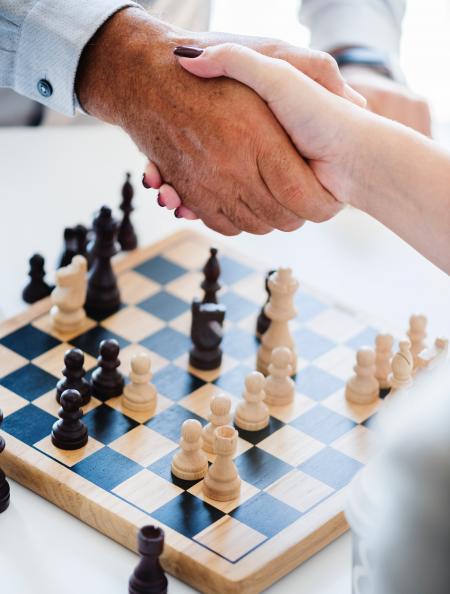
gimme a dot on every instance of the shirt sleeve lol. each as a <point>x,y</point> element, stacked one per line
<point>41,43</point>
<point>359,23</point>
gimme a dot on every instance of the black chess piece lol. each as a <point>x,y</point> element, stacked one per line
<point>74,376</point>
<point>206,335</point>
<point>4,486</point>
<point>70,433</point>
<point>127,235</point>
<point>107,381</point>
<point>210,283</point>
<point>36,288</point>
<point>81,237</point>
<point>263,322</point>
<point>103,297</point>
<point>149,576</point>
<point>70,247</point>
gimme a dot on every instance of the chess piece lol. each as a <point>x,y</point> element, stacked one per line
<point>4,486</point>
<point>222,482</point>
<point>279,310</point>
<point>103,297</point>
<point>74,376</point>
<point>279,387</point>
<point>81,234</point>
<point>252,414</point>
<point>36,288</point>
<point>190,463</point>
<point>70,433</point>
<point>107,381</point>
<point>363,388</point>
<point>263,322</point>
<point>433,356</point>
<point>140,394</point>
<point>206,335</point>
<point>417,333</point>
<point>149,577</point>
<point>383,356</point>
<point>69,295</point>
<point>70,247</point>
<point>219,415</point>
<point>127,235</point>
<point>402,365</point>
<point>211,283</point>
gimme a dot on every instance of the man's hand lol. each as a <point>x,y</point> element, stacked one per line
<point>390,99</point>
<point>215,141</point>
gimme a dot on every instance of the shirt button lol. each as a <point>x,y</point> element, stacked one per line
<point>45,88</point>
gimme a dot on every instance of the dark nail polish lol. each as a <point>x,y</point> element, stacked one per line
<point>177,214</point>
<point>187,52</point>
<point>144,183</point>
<point>160,202</point>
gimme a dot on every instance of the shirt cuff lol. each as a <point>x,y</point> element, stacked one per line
<point>52,38</point>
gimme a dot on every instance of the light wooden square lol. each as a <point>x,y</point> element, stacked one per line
<point>252,287</point>
<point>10,361</point>
<point>182,323</point>
<point>338,361</point>
<point>143,445</point>
<point>299,490</point>
<point>126,354</point>
<point>336,325</point>
<point>360,443</point>
<point>162,403</point>
<point>187,287</point>
<point>135,287</point>
<point>247,491</point>
<point>199,401</point>
<point>228,363</point>
<point>188,254</point>
<point>357,412</point>
<point>289,412</point>
<point>147,490</point>
<point>53,361</point>
<point>49,403</point>
<point>230,538</point>
<point>45,324</point>
<point>10,402</point>
<point>68,457</point>
<point>133,323</point>
<point>291,445</point>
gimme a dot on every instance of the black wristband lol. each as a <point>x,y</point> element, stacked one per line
<point>364,56</point>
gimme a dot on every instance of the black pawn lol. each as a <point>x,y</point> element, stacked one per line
<point>70,247</point>
<point>37,288</point>
<point>74,376</point>
<point>206,335</point>
<point>4,486</point>
<point>81,234</point>
<point>210,283</point>
<point>263,322</point>
<point>70,433</point>
<point>103,297</point>
<point>107,381</point>
<point>149,577</point>
<point>127,235</point>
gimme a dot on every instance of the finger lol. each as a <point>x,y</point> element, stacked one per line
<point>168,197</point>
<point>244,219</point>
<point>220,223</point>
<point>183,212</point>
<point>151,177</point>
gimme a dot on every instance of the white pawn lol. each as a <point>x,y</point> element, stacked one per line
<point>190,463</point>
<point>362,388</point>
<point>222,481</point>
<point>69,296</point>
<point>383,356</point>
<point>252,414</point>
<point>402,367</point>
<point>417,333</point>
<point>220,415</point>
<point>140,394</point>
<point>279,387</point>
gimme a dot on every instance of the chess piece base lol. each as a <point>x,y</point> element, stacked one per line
<point>138,406</point>
<point>64,444</point>
<point>4,492</point>
<point>205,361</point>
<point>358,398</point>
<point>67,322</point>
<point>214,489</point>
<point>249,426</point>
<point>182,474</point>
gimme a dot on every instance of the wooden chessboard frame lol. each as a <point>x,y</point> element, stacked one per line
<point>182,557</point>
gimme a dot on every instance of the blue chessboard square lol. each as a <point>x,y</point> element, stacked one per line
<point>233,271</point>
<point>30,424</point>
<point>89,342</point>
<point>316,383</point>
<point>266,514</point>
<point>364,338</point>
<point>323,424</point>
<point>239,344</point>
<point>168,343</point>
<point>162,467</point>
<point>233,381</point>
<point>311,345</point>
<point>187,514</point>
<point>29,381</point>
<point>105,424</point>
<point>29,342</point>
<point>331,467</point>
<point>168,423</point>
<point>106,468</point>
<point>160,270</point>
<point>260,468</point>
<point>308,306</point>
<point>165,306</point>
<point>256,437</point>
<point>176,383</point>
<point>237,307</point>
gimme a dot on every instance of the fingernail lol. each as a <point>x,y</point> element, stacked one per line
<point>354,96</point>
<point>159,200</point>
<point>185,51</point>
<point>144,183</point>
<point>177,213</point>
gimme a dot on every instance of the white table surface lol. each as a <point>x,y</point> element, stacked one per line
<point>54,177</point>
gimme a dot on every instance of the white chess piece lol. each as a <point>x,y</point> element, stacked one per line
<point>362,388</point>
<point>417,333</point>
<point>383,356</point>
<point>222,481</point>
<point>433,356</point>
<point>279,310</point>
<point>69,296</point>
<point>190,463</point>
<point>279,387</point>
<point>252,414</point>
<point>140,394</point>
<point>220,415</point>
<point>402,367</point>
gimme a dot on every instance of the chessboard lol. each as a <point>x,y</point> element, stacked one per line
<point>295,472</point>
